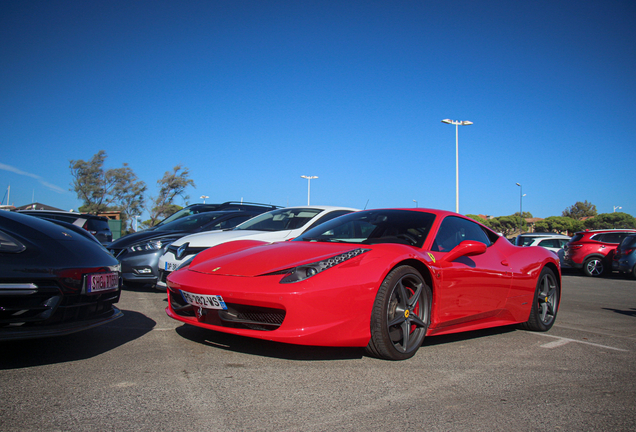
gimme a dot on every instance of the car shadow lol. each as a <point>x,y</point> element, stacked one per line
<point>76,346</point>
<point>631,312</point>
<point>606,275</point>
<point>284,351</point>
<point>265,348</point>
<point>475,334</point>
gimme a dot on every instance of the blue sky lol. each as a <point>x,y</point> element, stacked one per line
<point>250,95</point>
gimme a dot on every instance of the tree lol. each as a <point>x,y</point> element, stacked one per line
<point>580,210</point>
<point>559,224</point>
<point>116,189</point>
<point>478,218</point>
<point>610,221</point>
<point>171,185</point>
<point>505,225</point>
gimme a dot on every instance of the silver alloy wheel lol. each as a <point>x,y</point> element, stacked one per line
<point>594,267</point>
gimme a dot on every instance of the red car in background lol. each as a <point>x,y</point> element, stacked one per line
<point>380,279</point>
<point>592,251</point>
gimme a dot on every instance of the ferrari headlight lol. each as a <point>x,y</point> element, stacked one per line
<point>151,245</point>
<point>306,271</point>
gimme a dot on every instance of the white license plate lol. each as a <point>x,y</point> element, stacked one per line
<point>204,301</point>
<point>171,266</point>
<point>100,282</point>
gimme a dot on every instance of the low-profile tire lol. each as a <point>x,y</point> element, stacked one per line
<point>545,303</point>
<point>401,315</point>
<point>594,267</point>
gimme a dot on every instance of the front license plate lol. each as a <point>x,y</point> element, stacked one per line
<point>204,301</point>
<point>171,266</point>
<point>100,282</point>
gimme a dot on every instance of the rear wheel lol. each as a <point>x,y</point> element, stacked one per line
<point>401,315</point>
<point>593,267</point>
<point>546,302</point>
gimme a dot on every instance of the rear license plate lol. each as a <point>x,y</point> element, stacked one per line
<point>100,282</point>
<point>171,266</point>
<point>204,301</point>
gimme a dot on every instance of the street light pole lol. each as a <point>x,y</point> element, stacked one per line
<point>617,207</point>
<point>457,124</point>
<point>520,207</point>
<point>308,185</point>
<point>204,197</point>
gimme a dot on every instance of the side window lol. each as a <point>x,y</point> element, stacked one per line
<point>553,243</point>
<point>328,217</point>
<point>455,230</point>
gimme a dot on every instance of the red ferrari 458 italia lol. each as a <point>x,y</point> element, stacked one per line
<point>380,279</point>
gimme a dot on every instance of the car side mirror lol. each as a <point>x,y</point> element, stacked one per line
<point>465,248</point>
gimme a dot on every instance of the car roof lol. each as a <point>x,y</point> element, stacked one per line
<point>60,212</point>
<point>542,234</point>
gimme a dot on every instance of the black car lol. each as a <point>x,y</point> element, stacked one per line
<point>96,225</point>
<point>139,252</point>
<point>54,280</point>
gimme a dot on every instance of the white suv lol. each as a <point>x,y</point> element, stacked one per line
<point>277,225</point>
<point>550,241</point>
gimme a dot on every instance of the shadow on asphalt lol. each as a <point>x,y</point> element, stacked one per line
<point>607,275</point>
<point>279,350</point>
<point>630,312</point>
<point>264,348</point>
<point>475,334</point>
<point>77,346</point>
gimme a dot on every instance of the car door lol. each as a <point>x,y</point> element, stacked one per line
<point>471,287</point>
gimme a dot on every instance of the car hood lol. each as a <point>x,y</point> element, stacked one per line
<point>133,238</point>
<point>209,239</point>
<point>269,257</point>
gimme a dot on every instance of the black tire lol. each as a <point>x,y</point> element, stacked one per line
<point>401,315</point>
<point>633,274</point>
<point>546,302</point>
<point>594,267</point>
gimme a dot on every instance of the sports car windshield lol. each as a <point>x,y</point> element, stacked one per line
<point>279,220</point>
<point>374,226</point>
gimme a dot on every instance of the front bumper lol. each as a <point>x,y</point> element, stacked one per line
<point>319,311</point>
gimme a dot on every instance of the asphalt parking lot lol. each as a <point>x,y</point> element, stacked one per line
<point>146,372</point>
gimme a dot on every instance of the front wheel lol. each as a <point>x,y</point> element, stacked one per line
<point>401,315</point>
<point>546,302</point>
<point>593,267</point>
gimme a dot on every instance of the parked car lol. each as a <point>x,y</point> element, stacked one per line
<point>625,256</point>
<point>139,252</point>
<point>276,225</point>
<point>593,251</point>
<point>550,241</point>
<point>96,225</point>
<point>380,279</point>
<point>54,279</point>
<point>202,208</point>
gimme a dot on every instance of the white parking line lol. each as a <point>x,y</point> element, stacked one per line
<point>562,341</point>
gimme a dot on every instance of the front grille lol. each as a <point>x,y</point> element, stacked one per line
<point>236,315</point>
<point>163,275</point>
<point>49,306</point>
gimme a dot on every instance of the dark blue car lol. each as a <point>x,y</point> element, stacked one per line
<point>625,256</point>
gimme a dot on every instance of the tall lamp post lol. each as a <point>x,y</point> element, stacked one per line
<point>521,195</point>
<point>617,207</point>
<point>204,197</point>
<point>457,124</point>
<point>308,185</point>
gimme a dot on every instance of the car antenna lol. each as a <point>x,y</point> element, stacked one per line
<point>365,206</point>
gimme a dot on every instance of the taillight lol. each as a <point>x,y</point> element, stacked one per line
<point>575,246</point>
<point>627,251</point>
